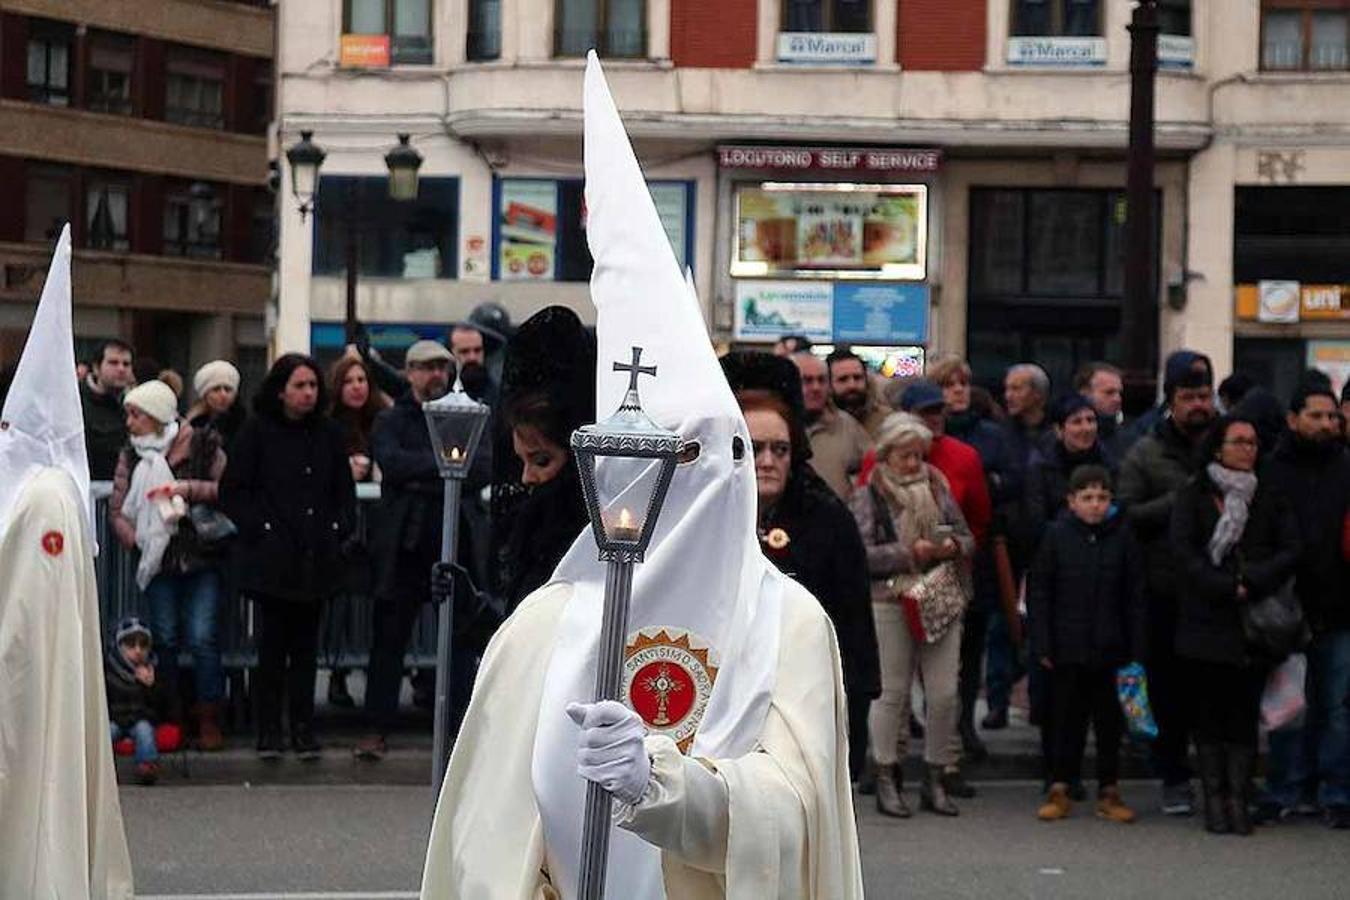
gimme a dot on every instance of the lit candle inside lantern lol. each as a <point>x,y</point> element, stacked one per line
<point>626,528</point>
<point>454,454</point>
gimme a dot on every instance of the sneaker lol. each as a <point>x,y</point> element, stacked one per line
<point>1112,808</point>
<point>1338,816</point>
<point>270,746</point>
<point>1178,799</point>
<point>372,748</point>
<point>996,719</point>
<point>1057,806</point>
<point>147,773</point>
<point>303,743</point>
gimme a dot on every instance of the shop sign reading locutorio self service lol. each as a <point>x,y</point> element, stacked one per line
<point>830,159</point>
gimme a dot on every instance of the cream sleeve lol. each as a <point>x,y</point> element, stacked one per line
<point>685,809</point>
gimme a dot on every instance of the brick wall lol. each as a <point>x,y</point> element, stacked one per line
<point>942,35</point>
<point>717,34</point>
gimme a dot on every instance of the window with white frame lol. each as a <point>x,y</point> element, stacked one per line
<point>827,15</point>
<point>1057,18</point>
<point>406,24</point>
<point>111,60</point>
<point>49,58</point>
<point>106,205</point>
<point>614,28</point>
<point>484,40</point>
<point>194,89</point>
<point>1309,35</point>
<point>192,222</point>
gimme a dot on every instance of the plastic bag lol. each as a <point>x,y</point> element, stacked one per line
<point>1132,689</point>
<point>1284,700</point>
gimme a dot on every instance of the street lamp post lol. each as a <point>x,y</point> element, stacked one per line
<point>306,157</point>
<point>456,422</point>
<point>1138,322</point>
<point>626,463</point>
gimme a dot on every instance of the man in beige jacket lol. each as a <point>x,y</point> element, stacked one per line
<point>838,442</point>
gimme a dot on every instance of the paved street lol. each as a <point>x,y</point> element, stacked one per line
<point>367,841</point>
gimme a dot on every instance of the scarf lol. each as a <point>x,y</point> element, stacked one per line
<point>911,501</point>
<point>152,471</point>
<point>1237,489</point>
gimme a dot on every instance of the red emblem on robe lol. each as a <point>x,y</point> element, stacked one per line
<point>53,543</point>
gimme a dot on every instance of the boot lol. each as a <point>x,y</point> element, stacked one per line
<point>890,796</point>
<point>1056,805</point>
<point>209,738</point>
<point>956,784</point>
<point>867,779</point>
<point>933,796</point>
<point>1111,807</point>
<point>972,747</point>
<point>1213,780</point>
<point>1239,770</point>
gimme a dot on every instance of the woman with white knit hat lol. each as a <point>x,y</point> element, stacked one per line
<point>166,467</point>
<point>216,387</point>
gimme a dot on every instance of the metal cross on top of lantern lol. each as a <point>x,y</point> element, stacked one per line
<point>456,422</point>
<point>626,463</point>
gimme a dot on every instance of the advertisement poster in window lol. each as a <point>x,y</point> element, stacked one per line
<point>881,313</point>
<point>1333,358</point>
<point>528,229</point>
<point>848,230</point>
<point>766,310</point>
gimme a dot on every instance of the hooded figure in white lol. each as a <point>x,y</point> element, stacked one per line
<point>60,822</point>
<point>728,758</point>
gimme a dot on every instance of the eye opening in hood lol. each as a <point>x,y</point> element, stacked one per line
<point>689,452</point>
<point>737,448</point>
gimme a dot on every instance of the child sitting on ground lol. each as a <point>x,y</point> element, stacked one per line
<point>1087,619</point>
<point>136,700</point>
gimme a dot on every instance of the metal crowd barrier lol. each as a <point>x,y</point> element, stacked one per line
<point>345,628</point>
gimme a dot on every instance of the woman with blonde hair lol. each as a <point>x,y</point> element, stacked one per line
<point>918,546</point>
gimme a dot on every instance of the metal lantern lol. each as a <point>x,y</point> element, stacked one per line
<point>305,157</point>
<point>626,463</point>
<point>456,422</point>
<point>403,162</point>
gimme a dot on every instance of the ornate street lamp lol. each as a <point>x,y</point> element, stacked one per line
<point>403,162</point>
<point>626,463</point>
<point>305,157</point>
<point>456,422</point>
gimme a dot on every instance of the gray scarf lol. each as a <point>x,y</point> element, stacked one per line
<point>1238,489</point>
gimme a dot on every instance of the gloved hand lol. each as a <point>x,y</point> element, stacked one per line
<point>611,752</point>
<point>451,580</point>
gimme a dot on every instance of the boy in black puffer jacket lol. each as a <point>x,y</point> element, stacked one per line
<point>137,701</point>
<point>1086,608</point>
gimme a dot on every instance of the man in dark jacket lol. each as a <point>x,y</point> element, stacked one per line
<point>1154,469</point>
<point>406,544</point>
<point>105,422</point>
<point>1311,467</point>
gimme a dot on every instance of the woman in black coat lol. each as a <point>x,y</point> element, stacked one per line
<point>1235,541</point>
<point>1077,443</point>
<point>807,531</point>
<point>288,487</point>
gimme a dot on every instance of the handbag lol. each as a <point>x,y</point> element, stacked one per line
<point>934,602</point>
<point>211,525</point>
<point>1274,625</point>
<point>1284,699</point>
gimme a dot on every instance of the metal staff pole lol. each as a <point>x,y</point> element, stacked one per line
<point>608,675</point>
<point>444,628</point>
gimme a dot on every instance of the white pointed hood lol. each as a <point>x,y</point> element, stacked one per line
<point>42,423</point>
<point>704,575</point>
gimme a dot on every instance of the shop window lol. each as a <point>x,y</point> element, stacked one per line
<point>192,222</point>
<point>106,204</point>
<point>49,196</point>
<point>406,23</point>
<point>111,61</point>
<point>1292,233</point>
<point>49,62</point>
<point>1305,35</point>
<point>615,28</point>
<point>485,30</point>
<point>540,228</point>
<point>849,230</point>
<point>827,15</point>
<point>195,89</point>
<point>1057,18</point>
<point>395,239</point>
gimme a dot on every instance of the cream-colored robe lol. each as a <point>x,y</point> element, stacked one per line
<point>777,823</point>
<point>61,832</point>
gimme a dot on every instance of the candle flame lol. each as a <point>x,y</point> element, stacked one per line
<point>625,518</point>
<point>455,455</point>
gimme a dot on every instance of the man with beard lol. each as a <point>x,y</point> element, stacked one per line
<point>838,442</point>
<point>406,543</point>
<point>1312,468</point>
<point>1156,466</point>
<point>852,392</point>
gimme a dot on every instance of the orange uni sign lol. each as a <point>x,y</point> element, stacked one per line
<point>364,51</point>
<point>1292,301</point>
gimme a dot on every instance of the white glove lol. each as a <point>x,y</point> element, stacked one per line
<point>610,751</point>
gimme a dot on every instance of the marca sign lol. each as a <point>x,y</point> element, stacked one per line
<point>826,48</point>
<point>1056,51</point>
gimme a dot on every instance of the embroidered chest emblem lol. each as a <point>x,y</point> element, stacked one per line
<point>668,678</point>
<point>53,543</point>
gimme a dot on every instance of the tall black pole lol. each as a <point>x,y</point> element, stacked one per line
<point>353,259</point>
<point>1139,322</point>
